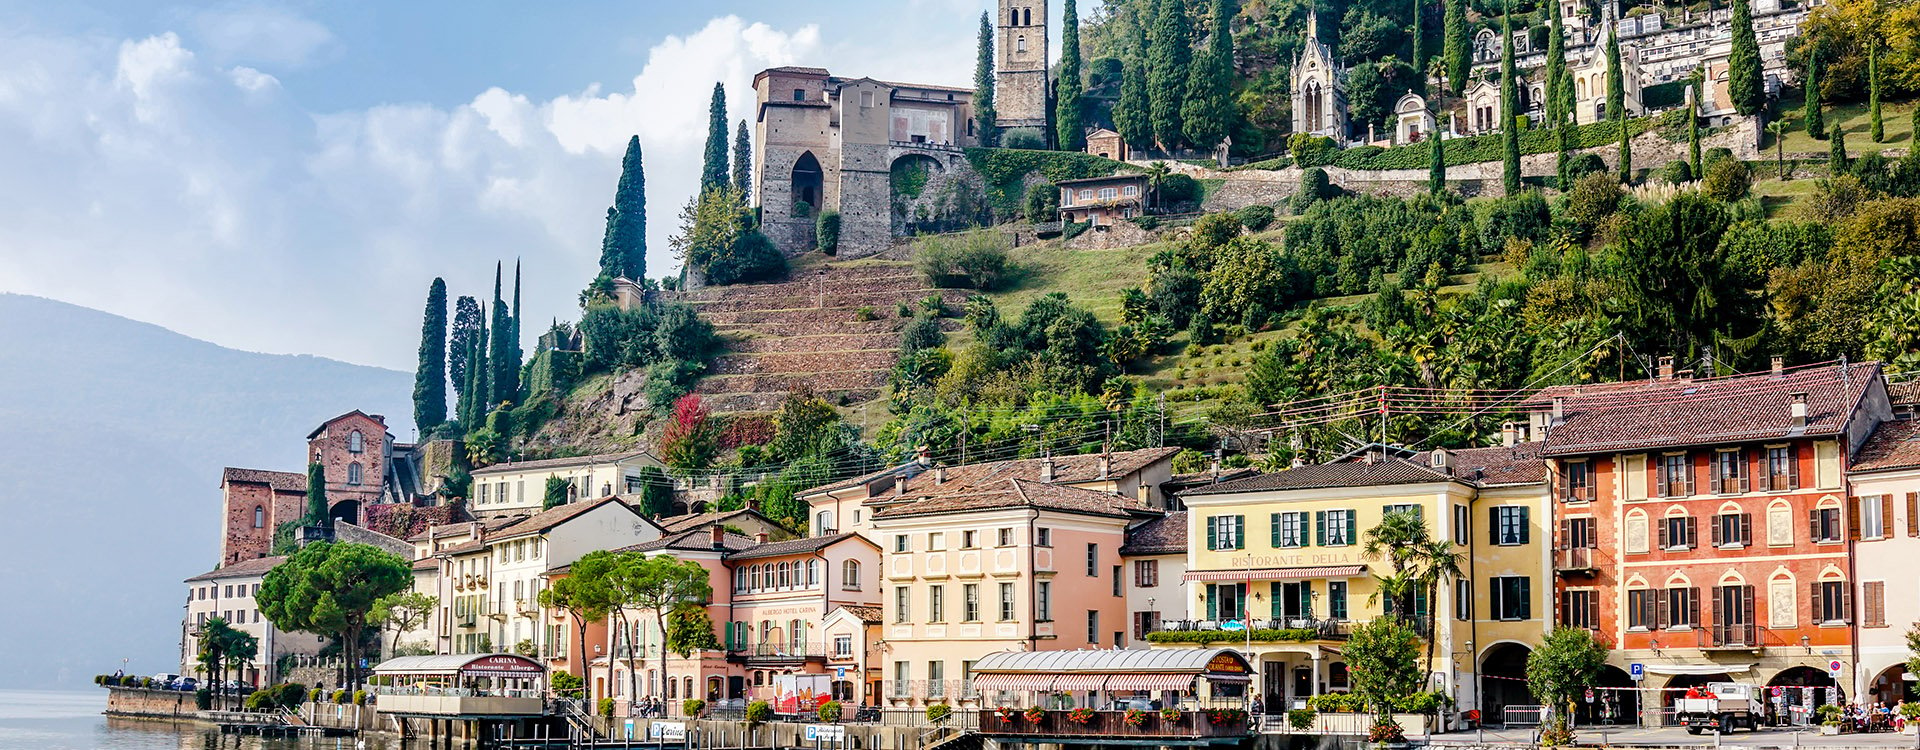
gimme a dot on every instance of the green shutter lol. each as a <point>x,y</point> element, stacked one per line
<point>1274,542</point>
<point>1301,521</point>
<point>1306,598</point>
<point>1320,527</point>
<point>1526,528</point>
<point>1526,597</point>
<point>1240,529</point>
<point>1213,532</point>
<point>1213,601</point>
<point>1273,596</point>
<point>1350,527</point>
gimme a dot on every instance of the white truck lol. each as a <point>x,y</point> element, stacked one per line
<point>1721,707</point>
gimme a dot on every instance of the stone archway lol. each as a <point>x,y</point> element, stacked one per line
<point>1616,700</point>
<point>1503,680</point>
<point>1802,688</point>
<point>808,182</point>
<point>345,510</point>
<point>1891,685</point>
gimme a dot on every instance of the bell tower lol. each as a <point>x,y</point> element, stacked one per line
<point>1020,64</point>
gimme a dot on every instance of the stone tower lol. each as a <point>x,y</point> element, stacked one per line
<point>1020,75</point>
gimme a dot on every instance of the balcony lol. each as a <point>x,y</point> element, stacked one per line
<point>1295,630</point>
<point>1734,637</point>
<point>1191,725</point>
<point>778,652</point>
<point>1576,561</point>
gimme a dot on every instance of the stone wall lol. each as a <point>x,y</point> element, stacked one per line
<point>346,532</point>
<point>1120,234</point>
<point>240,538</point>
<point>125,701</point>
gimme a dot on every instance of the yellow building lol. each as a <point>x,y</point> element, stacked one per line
<point>1284,551</point>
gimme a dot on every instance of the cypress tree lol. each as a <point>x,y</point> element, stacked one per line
<point>1559,104</point>
<point>1419,69</point>
<point>713,172</point>
<point>1744,83</point>
<point>1455,48</point>
<point>623,249</point>
<point>1693,128</point>
<point>1837,150</point>
<point>1168,55</point>
<point>316,495</point>
<point>1206,113</point>
<point>1509,109</point>
<point>1070,133</point>
<point>1874,126</point>
<point>502,371</point>
<point>985,119</point>
<point>1130,113</point>
<point>430,376</point>
<point>516,354</point>
<point>1815,115</point>
<point>467,322</point>
<point>1436,163</point>
<point>1617,103</point>
<point>742,160</point>
<point>478,382</point>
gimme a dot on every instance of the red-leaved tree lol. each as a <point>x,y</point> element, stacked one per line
<point>691,438</point>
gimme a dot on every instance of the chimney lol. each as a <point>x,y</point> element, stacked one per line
<point>1372,457</point>
<point>718,536</point>
<point>924,455</point>
<point>1439,458</point>
<point>940,475</point>
<point>900,486</point>
<point>1046,469</point>
<point>1509,434</point>
<point>1799,411</point>
<point>1666,368</point>
<point>760,538</point>
<point>1779,365</point>
<point>1106,466</point>
<point>1559,409</point>
<point>1684,374</point>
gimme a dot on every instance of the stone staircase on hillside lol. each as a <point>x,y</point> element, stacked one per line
<point>833,329</point>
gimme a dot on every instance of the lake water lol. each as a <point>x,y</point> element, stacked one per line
<point>59,720</point>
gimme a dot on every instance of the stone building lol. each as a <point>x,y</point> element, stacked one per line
<point>1590,80</point>
<point>228,593</point>
<point>1319,86</point>
<point>829,143</point>
<point>1020,79</point>
<point>1412,121</point>
<point>364,468</point>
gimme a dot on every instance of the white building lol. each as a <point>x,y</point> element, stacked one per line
<point>521,486</point>
<point>1885,479</point>
<point>228,593</point>
<point>1319,87</point>
<point>1155,563</point>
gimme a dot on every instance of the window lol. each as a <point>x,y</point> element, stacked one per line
<point>1729,472</point>
<point>1577,533</point>
<point>902,604</point>
<point>1675,475</point>
<point>823,522</point>
<point>1580,609</point>
<point>1086,195</point>
<point>1874,601</point>
<point>1462,525</point>
<point>1463,600</point>
<point>902,543</point>
<point>353,473</point>
<point>799,95</point>
<point>1006,537</point>
<point>1824,525</point>
<point>1131,191</point>
<point>1411,510</point>
<point>1334,528</point>
<point>259,517</point>
<point>866,98</point>
<point>843,645</point>
<point>1643,609</point>
<point>1678,533</point>
<point>1578,484</point>
<point>1733,530</point>
<point>936,541</point>
<point>1144,623</point>
<point>813,573</point>
<point>1225,532</point>
<point>1783,472</point>
<point>1020,44</point>
<point>1006,602</point>
<point>1146,573</point>
<point>1093,626</point>
<point>1291,600</point>
<point>1107,194</point>
<point>1116,581</point>
<point>969,539</point>
<point>356,442</point>
<point>1510,525</point>
<point>1682,608</point>
<point>902,675</point>
<point>937,604</point>
<point>1290,530</point>
<point>1337,600</point>
<point>1043,537</point>
<point>970,602</point>
<point>1226,601</point>
<point>1834,601</point>
<point>1872,524</point>
<point>1043,593</point>
<point>936,679</point>
<point>1512,598</point>
<point>850,575</point>
<point>1093,560</point>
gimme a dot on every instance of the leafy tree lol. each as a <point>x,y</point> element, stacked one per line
<point>1876,129</point>
<point>718,236</point>
<point>656,492</point>
<point>660,585</point>
<point>1132,113</point>
<point>826,231</point>
<point>329,589</point>
<point>316,494</point>
<point>1383,662</point>
<point>690,629</point>
<point>1207,113</point>
<point>1071,134</point>
<point>691,439</point>
<point>403,612</point>
<point>1745,85</point>
<point>983,80</point>
<point>713,170</point>
<point>1168,54</point>
<point>1812,112</point>
<point>1913,648</point>
<point>1565,664</point>
<point>1457,51</point>
<point>1675,292</point>
<point>1509,109</point>
<point>467,322</point>
<point>742,159</point>
<point>970,260</point>
<point>623,249</point>
<point>585,594</point>
<point>430,376</point>
<point>555,493</point>
<point>1617,103</point>
<point>803,426</point>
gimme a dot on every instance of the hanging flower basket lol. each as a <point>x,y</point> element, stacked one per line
<point>1170,715</point>
<point>1035,714</point>
<point>1385,730</point>
<point>1219,716</point>
<point>1081,716</point>
<point>1004,714</point>
<point>1135,717</point>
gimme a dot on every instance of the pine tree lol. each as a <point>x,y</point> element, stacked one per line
<point>1745,85</point>
<point>1875,128</point>
<point>430,376</point>
<point>503,371</point>
<point>1617,103</point>
<point>1837,150</point>
<point>1814,114</point>
<point>467,322</point>
<point>742,160</point>
<point>1436,164</point>
<point>985,119</point>
<point>1070,131</point>
<point>1130,114</point>
<point>1207,113</point>
<point>316,495</point>
<point>1168,55</point>
<point>623,250</point>
<point>1455,48</point>
<point>1509,109</point>
<point>713,171</point>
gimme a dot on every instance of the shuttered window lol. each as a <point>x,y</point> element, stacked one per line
<point>1874,594</point>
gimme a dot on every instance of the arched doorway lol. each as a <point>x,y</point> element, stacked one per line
<point>1503,681</point>
<point>345,510</point>
<point>1678,684</point>
<point>807,181</point>
<point>843,690</point>
<point>1891,686</point>
<point>1616,700</point>
<point>1802,688</point>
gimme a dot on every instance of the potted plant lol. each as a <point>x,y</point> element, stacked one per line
<point>1170,715</point>
<point>938,712</point>
<point>1385,731</point>
<point>1829,717</point>
<point>829,711</point>
<point>693,707</point>
<point>1004,714</point>
<point>1135,718</point>
<point>1910,711</point>
<point>1301,719</point>
<point>1035,714</point>
<point>758,712</point>
<point>1081,716</point>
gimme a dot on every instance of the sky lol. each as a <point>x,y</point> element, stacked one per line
<point>288,176</point>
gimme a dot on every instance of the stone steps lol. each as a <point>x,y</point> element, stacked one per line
<point>804,363</point>
<point>769,401</point>
<point>818,382</point>
<point>826,342</point>
<point>880,302</point>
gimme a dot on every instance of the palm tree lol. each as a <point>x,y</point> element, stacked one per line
<point>1436,562</point>
<point>1778,128</point>
<point>1397,539</point>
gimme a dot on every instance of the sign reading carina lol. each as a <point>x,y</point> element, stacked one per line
<point>1294,560</point>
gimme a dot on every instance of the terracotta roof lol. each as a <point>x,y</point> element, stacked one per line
<point>254,567</point>
<point>1127,176</point>
<point>1904,394</point>
<point>1197,478</point>
<point>323,425</point>
<point>792,546</point>
<point>693,540</point>
<point>280,481</point>
<point>1165,535</point>
<point>1017,493</point>
<point>1680,412</point>
<point>548,519</point>
<point>1498,465</point>
<point>426,563</point>
<point>1386,471</point>
<point>1894,445</point>
<point>865,613</point>
<point>555,463</point>
<point>690,520</point>
<point>910,467</point>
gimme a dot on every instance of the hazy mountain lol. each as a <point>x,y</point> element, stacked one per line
<point>112,436</point>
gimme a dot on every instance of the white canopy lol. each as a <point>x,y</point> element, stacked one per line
<point>1698,669</point>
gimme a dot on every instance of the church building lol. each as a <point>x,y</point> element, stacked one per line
<point>1319,87</point>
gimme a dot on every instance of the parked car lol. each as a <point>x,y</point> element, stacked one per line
<point>165,679</point>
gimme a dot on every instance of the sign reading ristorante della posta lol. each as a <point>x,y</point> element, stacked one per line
<point>1304,559</point>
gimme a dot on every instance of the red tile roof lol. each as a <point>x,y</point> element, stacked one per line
<point>1678,412</point>
<point>1166,535</point>
<point>1894,445</point>
<point>553,463</point>
<point>1076,469</point>
<point>548,519</point>
<point>254,567</point>
<point>1387,471</point>
<point>1904,394</point>
<point>280,481</point>
<point>1017,493</point>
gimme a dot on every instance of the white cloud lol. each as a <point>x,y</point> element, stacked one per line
<point>253,32</point>
<point>251,80</point>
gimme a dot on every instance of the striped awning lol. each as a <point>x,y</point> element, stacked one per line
<point>1277,574</point>
<point>1012,682</point>
<point>1150,682</point>
<point>1073,682</point>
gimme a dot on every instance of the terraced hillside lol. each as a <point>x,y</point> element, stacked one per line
<point>831,327</point>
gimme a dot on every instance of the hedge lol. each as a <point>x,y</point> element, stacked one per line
<point>1221,636</point>
<point>1484,148</point>
<point>1005,170</point>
